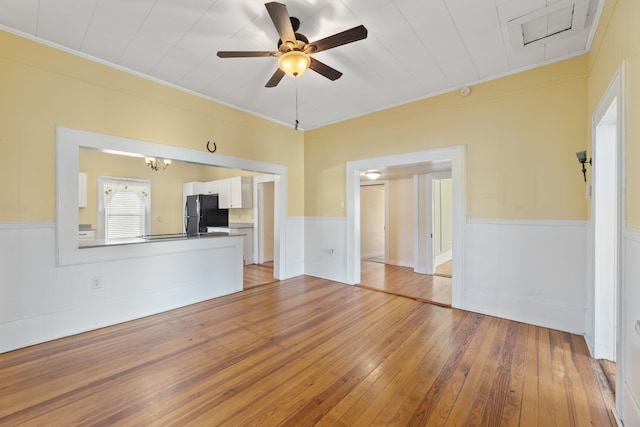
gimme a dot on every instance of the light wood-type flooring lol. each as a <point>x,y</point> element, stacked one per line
<point>403,281</point>
<point>445,269</point>
<point>257,275</point>
<point>303,352</point>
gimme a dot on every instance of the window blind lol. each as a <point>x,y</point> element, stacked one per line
<point>126,206</point>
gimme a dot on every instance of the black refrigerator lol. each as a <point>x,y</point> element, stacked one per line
<point>201,211</point>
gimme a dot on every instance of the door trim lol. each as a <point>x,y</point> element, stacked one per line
<point>614,93</point>
<point>455,155</point>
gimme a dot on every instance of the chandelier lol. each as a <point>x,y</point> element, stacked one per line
<point>157,164</point>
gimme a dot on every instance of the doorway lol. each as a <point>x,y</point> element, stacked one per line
<point>442,227</point>
<point>265,222</point>
<point>373,222</point>
<point>606,296</point>
<point>262,270</point>
<point>605,233</point>
<point>455,159</point>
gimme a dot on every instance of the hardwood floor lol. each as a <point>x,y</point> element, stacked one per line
<point>303,352</point>
<point>445,269</point>
<point>258,275</point>
<point>403,281</point>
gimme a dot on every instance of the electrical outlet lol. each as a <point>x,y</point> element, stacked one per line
<point>638,327</point>
<point>96,282</point>
<point>331,252</point>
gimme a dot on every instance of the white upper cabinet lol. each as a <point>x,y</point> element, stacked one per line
<point>192,188</point>
<point>211,187</point>
<point>235,193</point>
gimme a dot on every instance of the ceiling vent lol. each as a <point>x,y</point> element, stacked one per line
<point>558,20</point>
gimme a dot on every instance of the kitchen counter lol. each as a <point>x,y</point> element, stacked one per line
<point>96,243</point>
<point>244,229</point>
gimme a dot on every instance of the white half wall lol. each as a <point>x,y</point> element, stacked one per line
<point>325,247</point>
<point>531,271</point>
<point>629,379</point>
<point>41,301</point>
<point>295,246</point>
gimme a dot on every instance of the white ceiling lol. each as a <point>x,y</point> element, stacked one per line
<point>415,48</point>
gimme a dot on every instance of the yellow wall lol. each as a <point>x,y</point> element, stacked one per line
<point>372,220</point>
<point>166,187</point>
<point>41,87</point>
<point>400,221</point>
<point>618,40</point>
<point>521,131</point>
<point>521,134</point>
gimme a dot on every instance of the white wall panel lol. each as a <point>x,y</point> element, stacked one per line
<point>630,348</point>
<point>325,247</point>
<point>528,271</point>
<point>40,301</point>
<point>295,247</point>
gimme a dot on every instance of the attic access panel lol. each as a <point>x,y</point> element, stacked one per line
<point>561,19</point>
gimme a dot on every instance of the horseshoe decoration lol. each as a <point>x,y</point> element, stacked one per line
<point>214,147</point>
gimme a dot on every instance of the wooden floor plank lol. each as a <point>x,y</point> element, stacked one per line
<point>307,351</point>
<point>403,281</point>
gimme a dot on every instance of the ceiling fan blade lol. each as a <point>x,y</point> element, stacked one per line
<point>348,36</point>
<point>244,54</point>
<point>275,79</point>
<point>324,69</point>
<point>280,17</point>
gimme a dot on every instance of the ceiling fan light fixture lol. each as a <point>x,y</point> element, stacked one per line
<point>294,63</point>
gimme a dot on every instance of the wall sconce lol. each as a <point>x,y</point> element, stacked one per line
<point>372,174</point>
<point>582,158</point>
<point>157,164</point>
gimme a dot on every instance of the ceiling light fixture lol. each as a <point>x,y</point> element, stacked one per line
<point>157,164</point>
<point>373,174</point>
<point>294,63</point>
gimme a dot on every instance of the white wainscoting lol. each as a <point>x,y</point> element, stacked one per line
<point>532,271</point>
<point>325,247</point>
<point>294,247</point>
<point>40,301</point>
<point>630,297</point>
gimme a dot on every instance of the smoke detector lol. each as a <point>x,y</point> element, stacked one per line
<point>558,20</point>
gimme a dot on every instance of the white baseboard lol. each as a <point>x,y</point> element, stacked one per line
<point>443,257</point>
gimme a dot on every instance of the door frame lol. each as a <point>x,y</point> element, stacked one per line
<point>455,155</point>
<point>615,93</point>
<point>258,206</point>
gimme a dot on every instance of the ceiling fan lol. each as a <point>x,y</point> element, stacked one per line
<point>294,48</point>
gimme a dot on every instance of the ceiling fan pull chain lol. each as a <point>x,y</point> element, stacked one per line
<point>296,127</point>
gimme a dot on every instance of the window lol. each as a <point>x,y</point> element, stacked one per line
<point>124,207</point>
